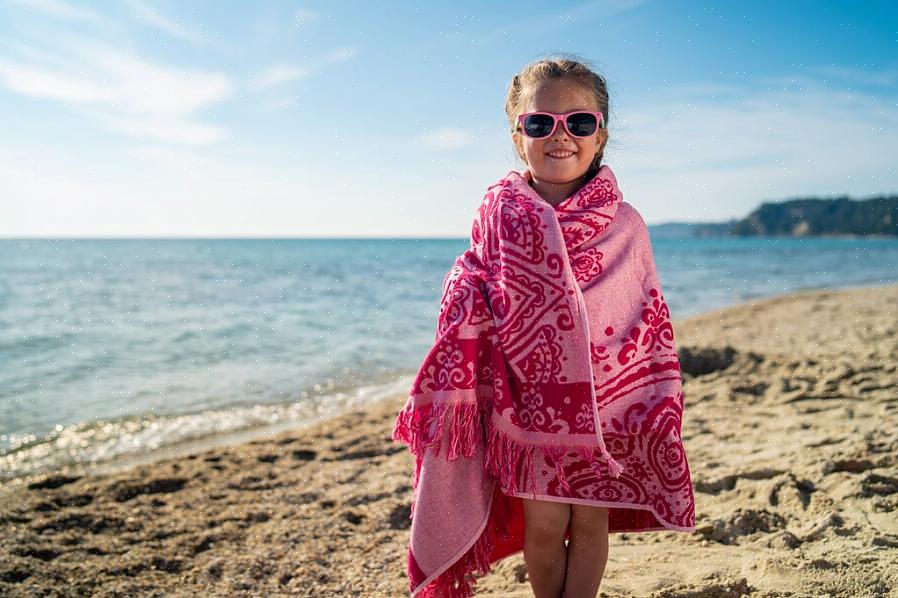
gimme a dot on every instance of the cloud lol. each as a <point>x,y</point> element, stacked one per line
<point>173,130</point>
<point>279,103</point>
<point>604,8</point>
<point>304,16</point>
<point>152,17</point>
<point>61,10</point>
<point>123,92</point>
<point>534,22</point>
<point>44,83</point>
<point>445,139</point>
<point>340,55</point>
<point>700,155</point>
<point>885,78</point>
<point>278,74</point>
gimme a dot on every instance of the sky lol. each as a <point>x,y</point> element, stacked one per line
<point>150,118</point>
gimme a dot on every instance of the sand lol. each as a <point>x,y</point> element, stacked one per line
<point>790,427</point>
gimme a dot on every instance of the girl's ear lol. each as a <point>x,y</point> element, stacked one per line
<point>602,140</point>
<point>519,145</point>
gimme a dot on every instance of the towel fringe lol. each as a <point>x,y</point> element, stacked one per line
<point>506,459</point>
<point>423,427</point>
<point>458,581</point>
<point>614,468</point>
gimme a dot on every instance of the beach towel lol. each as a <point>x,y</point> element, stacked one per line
<point>553,375</point>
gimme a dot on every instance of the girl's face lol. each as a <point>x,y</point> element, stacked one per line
<point>559,158</point>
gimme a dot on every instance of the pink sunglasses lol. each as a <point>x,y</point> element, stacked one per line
<point>578,123</point>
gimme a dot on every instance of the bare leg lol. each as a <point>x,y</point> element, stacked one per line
<point>587,551</point>
<point>544,551</point>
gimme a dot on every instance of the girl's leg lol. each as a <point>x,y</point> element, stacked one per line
<point>587,551</point>
<point>544,551</point>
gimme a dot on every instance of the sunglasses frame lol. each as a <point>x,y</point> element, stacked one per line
<point>600,119</point>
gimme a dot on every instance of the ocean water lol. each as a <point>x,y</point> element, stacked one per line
<point>118,349</point>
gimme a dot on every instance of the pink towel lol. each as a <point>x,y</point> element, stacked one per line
<point>553,375</point>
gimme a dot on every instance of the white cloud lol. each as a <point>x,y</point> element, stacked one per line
<point>279,103</point>
<point>50,84</point>
<point>341,55</point>
<point>690,156</point>
<point>543,23</point>
<point>61,10</point>
<point>445,139</point>
<point>145,87</point>
<point>604,8</point>
<point>885,78</point>
<point>47,192</point>
<point>123,92</point>
<point>278,74</point>
<point>173,130</point>
<point>304,16</point>
<point>152,17</point>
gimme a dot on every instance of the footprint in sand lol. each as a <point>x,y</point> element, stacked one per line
<point>741,522</point>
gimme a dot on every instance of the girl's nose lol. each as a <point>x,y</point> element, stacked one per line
<point>560,131</point>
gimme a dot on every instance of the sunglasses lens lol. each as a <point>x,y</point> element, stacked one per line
<point>538,125</point>
<point>582,124</point>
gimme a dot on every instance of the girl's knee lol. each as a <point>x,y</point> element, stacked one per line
<point>546,520</point>
<point>589,519</point>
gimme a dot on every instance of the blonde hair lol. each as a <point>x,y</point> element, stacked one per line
<point>545,69</point>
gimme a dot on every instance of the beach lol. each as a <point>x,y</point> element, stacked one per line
<point>790,428</point>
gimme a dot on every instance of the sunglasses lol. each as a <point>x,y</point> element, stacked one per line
<point>579,123</point>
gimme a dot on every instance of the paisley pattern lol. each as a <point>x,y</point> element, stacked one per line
<point>555,364</point>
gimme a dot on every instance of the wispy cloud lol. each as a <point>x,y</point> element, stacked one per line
<point>151,16</point>
<point>125,93</point>
<point>277,75</point>
<point>721,153</point>
<point>445,139</point>
<point>340,55</point>
<point>49,84</point>
<point>884,78</point>
<point>304,16</point>
<point>605,8</point>
<point>279,103</point>
<point>534,22</point>
<point>60,9</point>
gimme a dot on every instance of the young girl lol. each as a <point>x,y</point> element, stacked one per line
<point>550,405</point>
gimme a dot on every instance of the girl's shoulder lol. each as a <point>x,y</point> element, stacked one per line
<point>512,177</point>
<point>628,214</point>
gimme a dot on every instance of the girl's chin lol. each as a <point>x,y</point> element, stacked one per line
<point>558,175</point>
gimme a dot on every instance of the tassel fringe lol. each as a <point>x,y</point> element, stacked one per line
<point>458,581</point>
<point>506,459</point>
<point>614,468</point>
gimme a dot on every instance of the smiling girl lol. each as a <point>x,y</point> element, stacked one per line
<point>550,406</point>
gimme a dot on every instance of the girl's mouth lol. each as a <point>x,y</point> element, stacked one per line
<point>560,155</point>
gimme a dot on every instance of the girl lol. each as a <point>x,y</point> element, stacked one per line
<point>550,405</point>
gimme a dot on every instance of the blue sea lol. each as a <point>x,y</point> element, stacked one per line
<point>117,350</point>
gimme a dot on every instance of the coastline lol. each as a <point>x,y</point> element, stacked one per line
<point>789,426</point>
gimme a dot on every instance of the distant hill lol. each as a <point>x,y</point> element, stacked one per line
<point>691,229</point>
<point>799,218</point>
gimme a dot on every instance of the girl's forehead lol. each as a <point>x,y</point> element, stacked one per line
<point>560,95</point>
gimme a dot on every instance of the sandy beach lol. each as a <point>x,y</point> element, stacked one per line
<point>790,427</point>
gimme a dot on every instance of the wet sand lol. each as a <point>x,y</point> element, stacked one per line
<point>790,427</point>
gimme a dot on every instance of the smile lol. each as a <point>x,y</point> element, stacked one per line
<point>560,155</point>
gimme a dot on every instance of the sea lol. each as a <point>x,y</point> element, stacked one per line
<point>114,352</point>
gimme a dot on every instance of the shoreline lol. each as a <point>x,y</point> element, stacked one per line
<point>789,428</point>
<point>235,437</point>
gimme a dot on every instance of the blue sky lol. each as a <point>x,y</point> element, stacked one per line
<point>144,118</point>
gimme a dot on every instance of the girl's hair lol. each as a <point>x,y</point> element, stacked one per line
<point>523,84</point>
